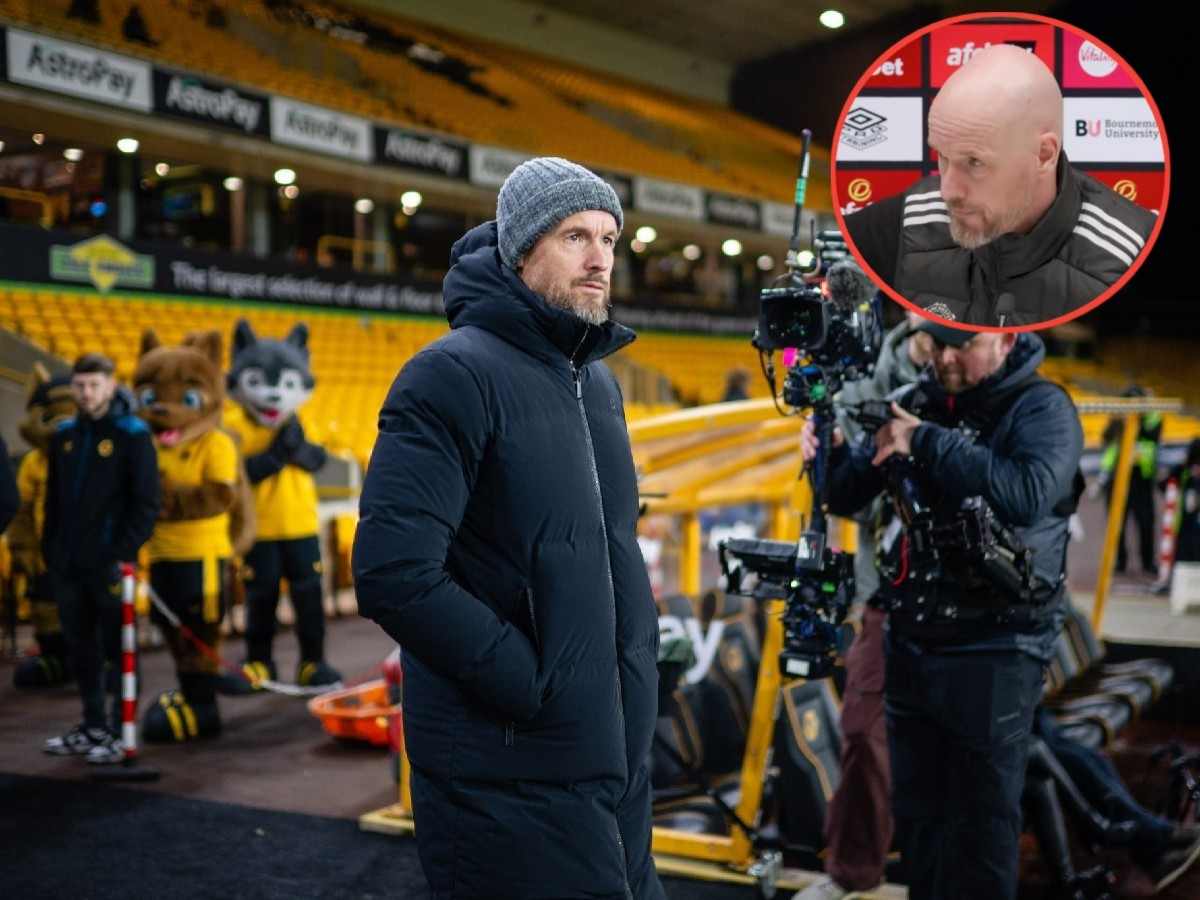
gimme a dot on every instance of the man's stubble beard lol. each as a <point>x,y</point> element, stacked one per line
<point>972,240</point>
<point>561,298</point>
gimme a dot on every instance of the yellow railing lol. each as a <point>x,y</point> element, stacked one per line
<point>47,203</point>
<point>358,248</point>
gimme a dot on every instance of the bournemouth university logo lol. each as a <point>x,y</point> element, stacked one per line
<point>864,128</point>
<point>1127,188</point>
<point>859,190</point>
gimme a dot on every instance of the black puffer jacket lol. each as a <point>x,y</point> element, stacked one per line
<point>497,545</point>
<point>102,490</point>
<point>1021,458</point>
<point>1084,243</point>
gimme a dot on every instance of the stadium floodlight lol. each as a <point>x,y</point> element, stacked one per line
<point>128,145</point>
<point>732,247</point>
<point>73,154</point>
<point>410,200</point>
<point>646,234</point>
<point>831,18</point>
<point>691,252</point>
<point>161,169</point>
<point>285,176</point>
<point>232,183</point>
<point>364,205</point>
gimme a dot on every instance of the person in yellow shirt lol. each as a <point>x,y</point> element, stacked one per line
<point>49,403</point>
<point>180,392</point>
<point>270,380</point>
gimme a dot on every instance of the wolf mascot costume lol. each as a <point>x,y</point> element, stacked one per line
<point>206,518</point>
<point>270,380</point>
<point>49,403</point>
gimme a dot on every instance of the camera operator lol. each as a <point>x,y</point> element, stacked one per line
<point>858,826</point>
<point>965,648</point>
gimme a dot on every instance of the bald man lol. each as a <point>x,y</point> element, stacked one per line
<point>1007,232</point>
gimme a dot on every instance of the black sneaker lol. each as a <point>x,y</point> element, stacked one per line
<point>317,673</point>
<point>1168,867</point>
<point>79,741</point>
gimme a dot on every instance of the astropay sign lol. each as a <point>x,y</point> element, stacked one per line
<point>77,70</point>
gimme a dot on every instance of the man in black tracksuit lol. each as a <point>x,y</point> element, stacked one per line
<point>965,656</point>
<point>497,545</point>
<point>1008,232</point>
<point>102,497</point>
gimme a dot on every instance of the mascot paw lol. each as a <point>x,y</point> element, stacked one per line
<point>43,670</point>
<point>172,719</point>
<point>253,672</point>
<point>317,674</point>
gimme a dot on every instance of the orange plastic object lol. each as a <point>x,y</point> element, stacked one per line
<point>360,713</point>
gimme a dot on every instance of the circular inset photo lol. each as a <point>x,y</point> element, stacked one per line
<point>1000,171</point>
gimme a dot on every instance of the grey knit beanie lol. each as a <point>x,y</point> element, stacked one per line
<point>540,193</point>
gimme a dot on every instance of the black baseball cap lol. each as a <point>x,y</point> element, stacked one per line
<point>944,334</point>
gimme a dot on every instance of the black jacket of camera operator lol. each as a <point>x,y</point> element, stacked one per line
<point>1015,441</point>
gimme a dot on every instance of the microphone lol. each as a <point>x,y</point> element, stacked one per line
<point>849,285</point>
<point>1006,305</point>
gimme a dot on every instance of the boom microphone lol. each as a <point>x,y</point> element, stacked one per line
<point>849,285</point>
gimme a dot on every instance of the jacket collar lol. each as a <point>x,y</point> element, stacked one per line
<point>1014,255</point>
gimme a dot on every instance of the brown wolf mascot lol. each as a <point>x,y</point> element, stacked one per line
<point>206,518</point>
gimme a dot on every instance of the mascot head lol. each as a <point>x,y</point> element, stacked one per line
<point>270,379</point>
<point>180,389</point>
<point>49,403</point>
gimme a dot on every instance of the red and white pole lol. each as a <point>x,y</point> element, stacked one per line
<point>129,689</point>
<point>129,769</point>
<point>1166,542</point>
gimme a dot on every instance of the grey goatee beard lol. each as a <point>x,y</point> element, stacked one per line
<point>969,240</point>
<point>591,314</point>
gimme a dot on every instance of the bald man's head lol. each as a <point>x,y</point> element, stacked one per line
<point>996,125</point>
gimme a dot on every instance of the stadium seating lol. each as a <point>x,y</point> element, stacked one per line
<point>356,356</point>
<point>487,94</point>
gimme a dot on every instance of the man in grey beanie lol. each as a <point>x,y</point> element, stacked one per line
<point>496,543</point>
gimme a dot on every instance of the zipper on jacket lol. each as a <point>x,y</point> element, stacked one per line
<point>537,640</point>
<point>81,461</point>
<point>587,435</point>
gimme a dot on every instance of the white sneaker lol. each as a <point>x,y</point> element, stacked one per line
<point>107,752</point>
<point>79,741</point>
<point>824,889</point>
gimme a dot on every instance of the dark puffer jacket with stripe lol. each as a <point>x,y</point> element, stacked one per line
<point>1084,243</point>
<point>497,545</point>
